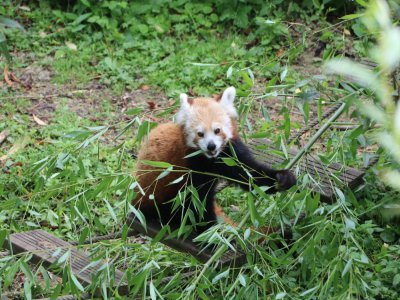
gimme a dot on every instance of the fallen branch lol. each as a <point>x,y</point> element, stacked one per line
<point>3,135</point>
<point>20,144</point>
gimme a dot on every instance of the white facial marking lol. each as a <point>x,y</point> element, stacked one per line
<point>190,134</point>
<point>211,138</point>
<point>205,138</point>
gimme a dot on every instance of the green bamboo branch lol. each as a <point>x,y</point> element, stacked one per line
<point>316,136</point>
<point>298,156</point>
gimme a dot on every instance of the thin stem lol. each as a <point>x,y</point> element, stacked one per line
<point>317,135</point>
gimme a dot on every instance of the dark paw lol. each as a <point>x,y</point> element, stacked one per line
<point>285,180</point>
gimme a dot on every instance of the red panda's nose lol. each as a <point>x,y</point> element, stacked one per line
<point>211,146</point>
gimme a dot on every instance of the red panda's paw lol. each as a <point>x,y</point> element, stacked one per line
<point>285,179</point>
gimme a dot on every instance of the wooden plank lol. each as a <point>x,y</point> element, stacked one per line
<point>315,168</point>
<point>230,258</point>
<point>310,162</point>
<point>347,177</point>
<point>43,246</point>
<point>323,174</point>
<point>313,123</point>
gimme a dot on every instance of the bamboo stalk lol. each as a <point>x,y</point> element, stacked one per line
<point>316,136</point>
<point>299,155</point>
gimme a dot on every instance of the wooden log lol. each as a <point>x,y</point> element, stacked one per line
<point>47,249</point>
<point>328,176</point>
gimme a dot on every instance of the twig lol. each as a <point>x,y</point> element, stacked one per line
<point>66,95</point>
<point>4,253</point>
<point>343,127</point>
<point>294,23</point>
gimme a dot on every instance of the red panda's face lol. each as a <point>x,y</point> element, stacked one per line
<point>208,122</point>
<point>211,137</point>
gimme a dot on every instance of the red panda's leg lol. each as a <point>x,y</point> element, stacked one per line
<point>266,230</point>
<point>262,174</point>
<point>220,214</point>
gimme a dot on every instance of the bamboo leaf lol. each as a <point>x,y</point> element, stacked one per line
<point>160,235</point>
<point>220,276</point>
<point>164,173</point>
<point>351,16</point>
<point>157,164</point>
<point>283,74</point>
<point>28,290</point>
<point>309,291</point>
<point>280,295</point>
<point>229,72</point>
<point>179,179</point>
<point>194,154</point>
<point>153,295</point>
<point>242,280</point>
<point>347,267</point>
<point>254,215</point>
<point>229,161</point>
<point>77,284</point>
<point>111,210</point>
<point>138,214</point>
<point>63,258</point>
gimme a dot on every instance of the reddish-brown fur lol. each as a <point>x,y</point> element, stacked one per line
<point>166,143</point>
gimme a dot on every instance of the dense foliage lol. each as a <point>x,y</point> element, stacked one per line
<point>105,72</point>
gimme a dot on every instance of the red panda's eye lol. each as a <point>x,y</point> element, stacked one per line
<point>216,131</point>
<point>200,134</point>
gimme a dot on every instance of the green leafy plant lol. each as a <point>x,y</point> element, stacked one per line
<point>383,84</point>
<point>4,24</point>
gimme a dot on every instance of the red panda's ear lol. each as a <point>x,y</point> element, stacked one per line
<point>227,101</point>
<point>185,101</point>
<point>228,96</point>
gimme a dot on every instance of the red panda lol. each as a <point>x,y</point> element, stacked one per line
<point>209,126</point>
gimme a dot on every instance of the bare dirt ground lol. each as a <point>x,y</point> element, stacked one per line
<point>37,87</point>
<point>34,83</point>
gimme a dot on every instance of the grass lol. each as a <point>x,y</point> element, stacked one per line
<point>74,176</point>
